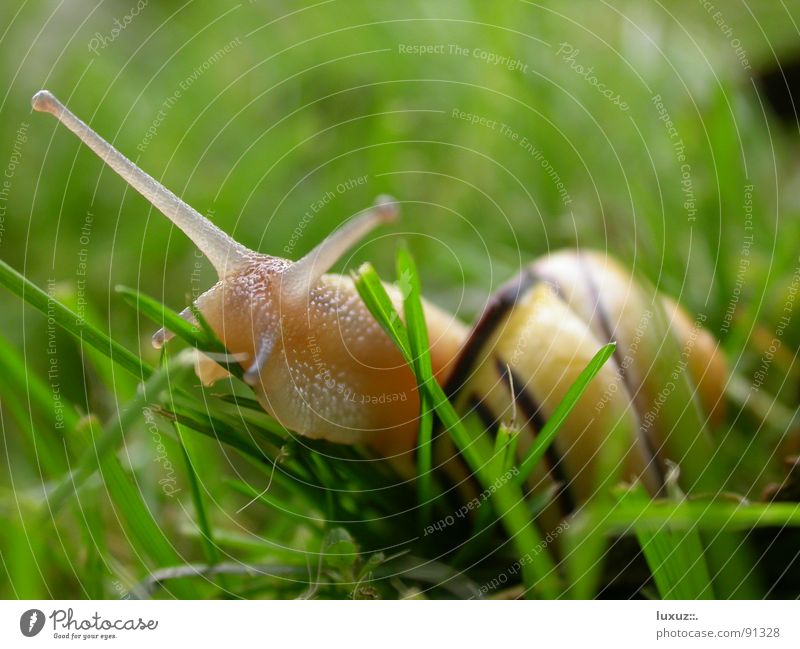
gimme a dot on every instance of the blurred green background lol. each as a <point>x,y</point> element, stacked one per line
<point>257,112</point>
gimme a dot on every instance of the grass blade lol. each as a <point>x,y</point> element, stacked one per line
<point>675,557</point>
<point>537,567</point>
<point>374,294</point>
<point>23,395</point>
<point>203,338</point>
<point>561,412</point>
<point>419,347</point>
<point>206,534</point>
<point>115,430</point>
<point>71,321</point>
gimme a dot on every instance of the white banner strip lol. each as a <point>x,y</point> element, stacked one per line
<point>407,624</point>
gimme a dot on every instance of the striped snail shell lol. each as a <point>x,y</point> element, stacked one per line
<point>538,333</point>
<point>319,363</point>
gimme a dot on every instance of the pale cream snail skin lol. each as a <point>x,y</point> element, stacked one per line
<point>320,364</point>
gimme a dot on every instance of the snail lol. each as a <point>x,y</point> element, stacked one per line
<point>539,332</point>
<point>321,365</point>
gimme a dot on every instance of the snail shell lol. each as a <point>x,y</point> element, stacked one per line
<point>542,329</point>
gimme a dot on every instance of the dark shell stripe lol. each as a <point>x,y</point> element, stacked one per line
<point>451,470</point>
<point>496,309</point>
<point>604,323</point>
<point>486,327</point>
<point>501,303</point>
<point>565,503</point>
<point>485,414</point>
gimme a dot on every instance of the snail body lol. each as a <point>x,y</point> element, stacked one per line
<point>314,356</point>
<point>319,363</point>
<point>322,366</point>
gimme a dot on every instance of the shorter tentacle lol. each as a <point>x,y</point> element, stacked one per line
<point>164,335</point>
<point>253,374</point>
<point>300,277</point>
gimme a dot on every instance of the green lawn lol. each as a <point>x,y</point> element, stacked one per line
<point>505,130</point>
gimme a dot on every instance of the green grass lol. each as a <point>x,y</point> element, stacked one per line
<point>417,335</point>
<point>676,558</point>
<point>300,472</point>
<point>305,103</point>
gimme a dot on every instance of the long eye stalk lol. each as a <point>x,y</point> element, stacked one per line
<point>225,254</point>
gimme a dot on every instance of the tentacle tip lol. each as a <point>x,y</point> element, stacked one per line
<point>44,101</point>
<point>387,208</point>
<point>160,337</point>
